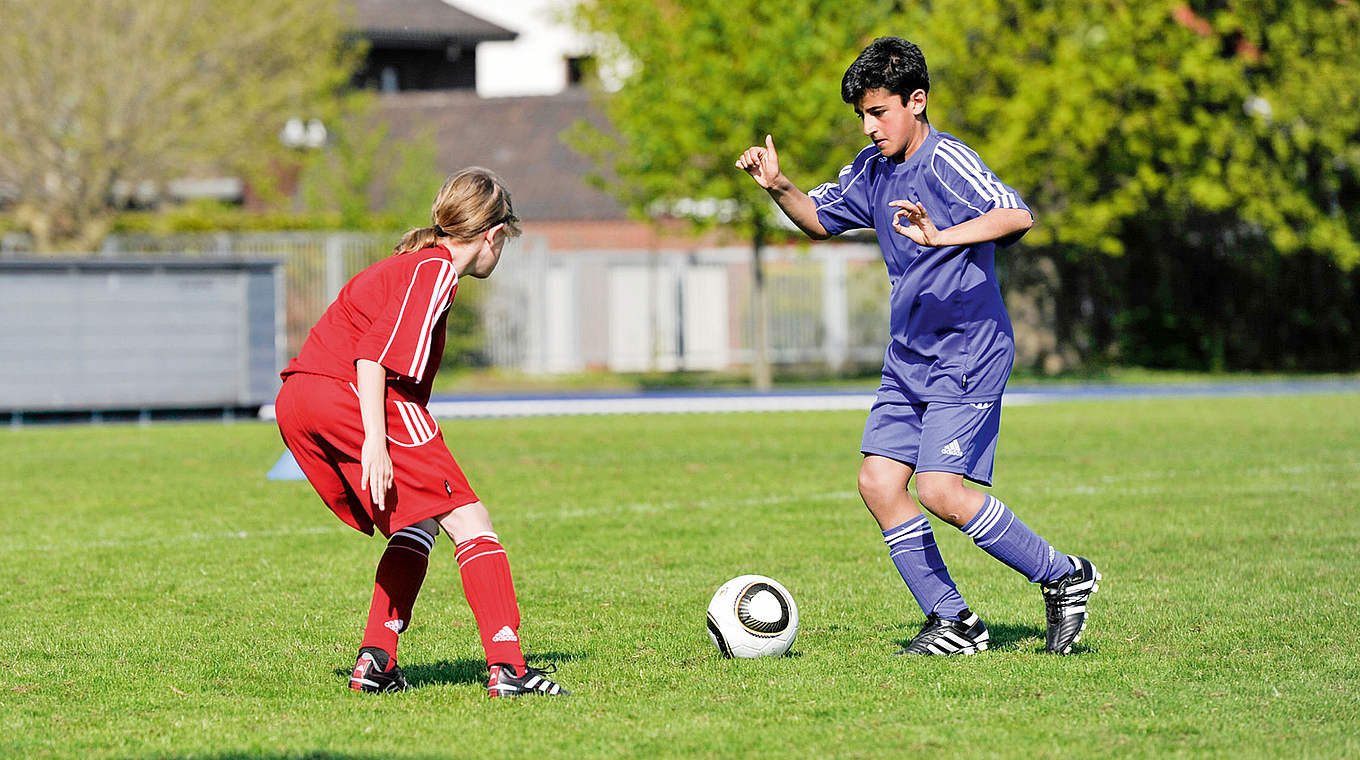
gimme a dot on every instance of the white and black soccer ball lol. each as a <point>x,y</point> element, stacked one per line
<point>752,616</point>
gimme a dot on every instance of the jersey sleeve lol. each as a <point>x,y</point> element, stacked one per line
<point>844,204</point>
<point>400,338</point>
<point>971,187</point>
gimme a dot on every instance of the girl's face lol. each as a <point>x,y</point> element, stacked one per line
<point>493,243</point>
<point>889,122</point>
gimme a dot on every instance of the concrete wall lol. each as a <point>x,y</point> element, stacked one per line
<point>99,335</point>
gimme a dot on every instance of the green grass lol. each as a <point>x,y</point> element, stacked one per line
<point>161,599</point>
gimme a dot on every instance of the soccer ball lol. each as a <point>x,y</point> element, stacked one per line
<point>752,616</point>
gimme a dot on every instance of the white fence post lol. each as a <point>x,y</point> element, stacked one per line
<point>335,265</point>
<point>835,310</point>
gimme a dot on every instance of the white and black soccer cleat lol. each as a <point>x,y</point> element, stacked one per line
<point>1065,605</point>
<point>968,635</point>
<point>372,674</point>
<point>504,682</point>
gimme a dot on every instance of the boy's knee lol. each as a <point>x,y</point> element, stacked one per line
<point>879,480</point>
<point>940,493</point>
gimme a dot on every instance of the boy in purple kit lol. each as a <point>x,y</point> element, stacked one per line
<point>939,214</point>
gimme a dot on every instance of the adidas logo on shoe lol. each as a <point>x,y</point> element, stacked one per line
<point>939,636</point>
<point>504,682</point>
<point>505,634</point>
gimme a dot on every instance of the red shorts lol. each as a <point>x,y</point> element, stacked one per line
<point>319,419</point>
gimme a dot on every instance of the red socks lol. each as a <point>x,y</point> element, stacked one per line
<point>486,582</point>
<point>401,571</point>
<point>491,595</point>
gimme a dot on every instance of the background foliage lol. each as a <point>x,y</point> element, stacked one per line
<point>1195,168</point>
<point>101,97</point>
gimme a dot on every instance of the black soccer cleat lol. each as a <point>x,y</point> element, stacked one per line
<point>371,673</point>
<point>1065,605</point>
<point>504,682</point>
<point>968,635</point>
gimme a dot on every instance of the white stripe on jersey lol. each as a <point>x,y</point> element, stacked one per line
<point>821,190</point>
<point>971,160</point>
<point>416,440</point>
<point>411,433</point>
<point>956,155</point>
<point>447,277</point>
<point>1004,196</point>
<point>424,433</point>
<point>817,192</point>
<point>402,313</point>
<point>422,421</point>
<point>426,421</point>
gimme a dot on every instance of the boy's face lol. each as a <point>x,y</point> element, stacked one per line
<point>889,122</point>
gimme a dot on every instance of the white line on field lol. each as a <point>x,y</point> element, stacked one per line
<point>162,538</point>
<point>653,507</point>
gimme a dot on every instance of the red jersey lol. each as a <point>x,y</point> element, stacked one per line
<point>394,313</point>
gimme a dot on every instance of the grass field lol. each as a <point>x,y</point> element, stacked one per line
<point>161,599</point>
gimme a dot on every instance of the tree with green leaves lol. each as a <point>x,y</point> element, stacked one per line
<point>709,78</point>
<point>364,178</point>
<point>1193,165</point>
<point>1188,162</point>
<point>98,97</point>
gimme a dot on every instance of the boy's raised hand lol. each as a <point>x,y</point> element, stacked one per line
<point>761,163</point>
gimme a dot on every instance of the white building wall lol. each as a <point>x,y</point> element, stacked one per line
<point>535,62</point>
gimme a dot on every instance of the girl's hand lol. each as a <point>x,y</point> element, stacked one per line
<point>919,228</point>
<point>376,467</point>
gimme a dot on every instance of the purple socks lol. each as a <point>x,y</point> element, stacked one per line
<point>997,531</point>
<point>912,548</point>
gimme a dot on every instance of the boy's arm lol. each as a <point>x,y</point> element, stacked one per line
<point>763,166</point>
<point>994,225</point>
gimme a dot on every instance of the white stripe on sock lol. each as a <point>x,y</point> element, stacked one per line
<point>915,526</point>
<point>417,534</point>
<point>991,513</point>
<point>997,536</point>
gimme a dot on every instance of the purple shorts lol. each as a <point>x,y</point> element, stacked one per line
<point>936,436</point>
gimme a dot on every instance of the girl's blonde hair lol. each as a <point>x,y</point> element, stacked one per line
<point>471,202</point>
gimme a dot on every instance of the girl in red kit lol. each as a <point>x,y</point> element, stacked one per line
<point>352,412</point>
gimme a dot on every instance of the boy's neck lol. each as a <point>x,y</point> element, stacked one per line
<point>919,133</point>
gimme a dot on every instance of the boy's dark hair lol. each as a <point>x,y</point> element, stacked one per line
<point>890,63</point>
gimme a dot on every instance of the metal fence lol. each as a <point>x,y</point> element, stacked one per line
<point>552,311</point>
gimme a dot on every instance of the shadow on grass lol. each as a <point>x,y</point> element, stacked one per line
<point>317,755</point>
<point>1007,636</point>
<point>465,670</point>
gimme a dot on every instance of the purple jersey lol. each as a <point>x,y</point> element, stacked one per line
<point>951,337</point>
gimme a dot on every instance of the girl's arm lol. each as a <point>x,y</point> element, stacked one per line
<point>993,225</point>
<point>374,461</point>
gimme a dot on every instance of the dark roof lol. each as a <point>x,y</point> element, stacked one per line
<point>424,20</point>
<point>518,138</point>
